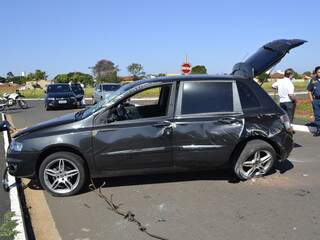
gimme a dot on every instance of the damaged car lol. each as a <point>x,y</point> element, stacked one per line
<point>197,122</point>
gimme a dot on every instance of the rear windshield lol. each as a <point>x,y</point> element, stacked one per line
<point>110,87</point>
<point>58,88</point>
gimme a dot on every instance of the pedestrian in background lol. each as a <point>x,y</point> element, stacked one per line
<point>314,96</point>
<point>286,93</point>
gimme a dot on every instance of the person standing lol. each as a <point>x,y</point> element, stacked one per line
<point>314,96</point>
<point>286,93</point>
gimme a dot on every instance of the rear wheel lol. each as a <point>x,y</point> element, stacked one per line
<point>256,159</point>
<point>62,174</point>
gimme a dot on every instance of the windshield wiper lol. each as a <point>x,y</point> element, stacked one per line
<point>79,114</point>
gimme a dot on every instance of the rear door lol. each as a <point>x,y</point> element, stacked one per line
<point>208,123</point>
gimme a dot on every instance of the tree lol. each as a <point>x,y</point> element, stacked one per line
<point>3,80</point>
<point>296,75</point>
<point>136,70</point>
<point>37,75</point>
<point>74,77</point>
<point>18,80</point>
<point>40,75</point>
<point>9,75</point>
<point>105,71</point>
<point>199,69</point>
<point>307,74</point>
<point>263,77</point>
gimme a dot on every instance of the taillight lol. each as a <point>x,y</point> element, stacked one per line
<point>286,122</point>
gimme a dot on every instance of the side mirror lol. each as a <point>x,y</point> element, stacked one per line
<point>4,126</point>
<point>45,92</point>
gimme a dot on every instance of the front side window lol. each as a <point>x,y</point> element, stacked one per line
<point>132,108</point>
<point>207,97</point>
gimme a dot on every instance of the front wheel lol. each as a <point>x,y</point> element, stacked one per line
<point>62,174</point>
<point>23,104</point>
<point>256,159</point>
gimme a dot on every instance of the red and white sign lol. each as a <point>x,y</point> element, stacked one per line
<point>186,68</point>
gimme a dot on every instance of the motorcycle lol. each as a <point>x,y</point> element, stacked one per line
<point>12,99</point>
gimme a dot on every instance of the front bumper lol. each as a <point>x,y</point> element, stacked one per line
<point>23,164</point>
<point>62,103</point>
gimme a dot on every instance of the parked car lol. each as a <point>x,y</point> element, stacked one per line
<point>103,90</point>
<point>79,92</point>
<point>198,122</point>
<point>59,95</point>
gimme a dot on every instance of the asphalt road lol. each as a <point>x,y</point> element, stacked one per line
<point>210,205</point>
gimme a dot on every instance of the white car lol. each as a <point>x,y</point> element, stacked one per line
<point>103,90</point>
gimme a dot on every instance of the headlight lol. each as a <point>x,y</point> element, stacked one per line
<point>16,146</point>
<point>51,98</point>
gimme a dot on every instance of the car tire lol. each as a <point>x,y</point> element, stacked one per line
<point>47,108</point>
<point>256,159</point>
<point>54,171</point>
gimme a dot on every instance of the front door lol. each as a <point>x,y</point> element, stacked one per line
<point>208,124</point>
<point>139,139</point>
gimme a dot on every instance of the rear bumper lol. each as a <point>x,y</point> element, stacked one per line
<point>286,145</point>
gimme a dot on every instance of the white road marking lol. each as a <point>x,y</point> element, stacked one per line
<point>15,204</point>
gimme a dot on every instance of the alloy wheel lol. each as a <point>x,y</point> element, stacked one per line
<point>257,164</point>
<point>61,176</point>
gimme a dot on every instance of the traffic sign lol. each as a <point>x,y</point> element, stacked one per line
<point>186,68</point>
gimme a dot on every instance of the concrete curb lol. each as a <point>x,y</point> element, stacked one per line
<point>15,203</point>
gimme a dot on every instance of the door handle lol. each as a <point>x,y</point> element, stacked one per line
<point>229,120</point>
<point>163,124</point>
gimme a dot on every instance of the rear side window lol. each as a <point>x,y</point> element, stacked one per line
<point>247,97</point>
<point>206,97</point>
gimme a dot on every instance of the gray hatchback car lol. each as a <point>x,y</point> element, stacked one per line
<point>198,122</point>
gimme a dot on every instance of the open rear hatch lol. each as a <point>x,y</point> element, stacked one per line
<point>265,58</point>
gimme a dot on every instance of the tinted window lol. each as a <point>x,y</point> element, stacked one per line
<point>205,97</point>
<point>58,88</point>
<point>247,98</point>
<point>110,87</point>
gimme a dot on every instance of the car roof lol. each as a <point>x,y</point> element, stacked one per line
<point>189,78</point>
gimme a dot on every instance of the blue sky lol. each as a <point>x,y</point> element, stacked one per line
<point>71,35</point>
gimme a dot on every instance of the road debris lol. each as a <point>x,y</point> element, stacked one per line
<point>128,215</point>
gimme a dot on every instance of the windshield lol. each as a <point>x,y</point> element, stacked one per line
<point>112,87</point>
<point>58,88</point>
<point>89,111</point>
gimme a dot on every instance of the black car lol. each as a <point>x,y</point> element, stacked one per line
<point>198,122</point>
<point>60,95</point>
<point>78,91</point>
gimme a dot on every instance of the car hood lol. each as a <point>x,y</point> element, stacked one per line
<point>266,57</point>
<point>61,95</point>
<point>64,119</point>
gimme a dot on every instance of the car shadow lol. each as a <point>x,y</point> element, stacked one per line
<point>136,180</point>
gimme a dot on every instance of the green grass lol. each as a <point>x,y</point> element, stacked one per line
<point>299,86</point>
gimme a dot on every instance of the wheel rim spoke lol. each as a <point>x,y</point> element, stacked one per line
<point>51,172</point>
<point>68,184</point>
<point>250,171</point>
<point>71,173</point>
<point>248,164</point>
<point>61,165</point>
<point>55,184</point>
